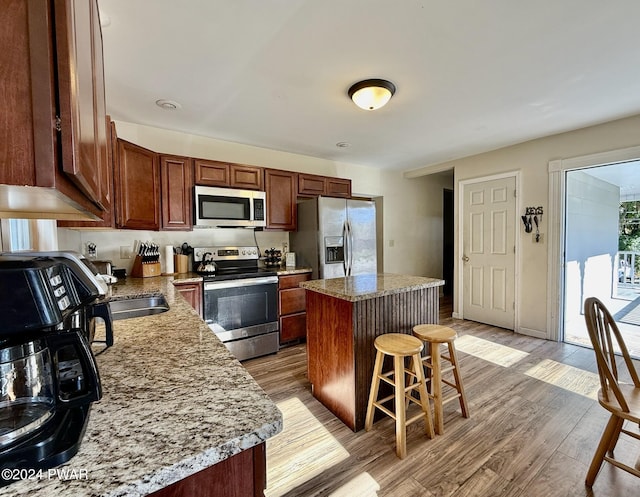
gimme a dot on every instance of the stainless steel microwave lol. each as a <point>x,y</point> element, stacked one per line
<point>228,207</point>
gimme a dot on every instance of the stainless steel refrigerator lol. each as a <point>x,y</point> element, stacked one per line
<point>336,237</point>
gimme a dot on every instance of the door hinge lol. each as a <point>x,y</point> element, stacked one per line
<point>58,124</point>
<point>515,193</point>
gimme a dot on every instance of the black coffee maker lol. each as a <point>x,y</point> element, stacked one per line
<point>48,373</point>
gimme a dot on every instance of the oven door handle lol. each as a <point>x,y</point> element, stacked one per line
<point>216,285</point>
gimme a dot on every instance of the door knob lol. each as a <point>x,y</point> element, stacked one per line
<point>465,258</point>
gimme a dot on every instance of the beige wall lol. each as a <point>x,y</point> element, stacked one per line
<point>531,159</point>
<point>412,216</point>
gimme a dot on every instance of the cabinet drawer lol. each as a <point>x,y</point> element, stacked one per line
<point>291,301</point>
<point>293,327</point>
<point>292,280</point>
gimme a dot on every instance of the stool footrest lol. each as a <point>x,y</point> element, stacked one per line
<point>388,412</point>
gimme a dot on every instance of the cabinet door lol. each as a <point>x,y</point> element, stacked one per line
<point>338,187</point>
<point>311,185</point>
<point>108,215</point>
<point>137,187</point>
<point>211,173</point>
<point>176,184</point>
<point>293,327</point>
<point>192,292</point>
<point>246,177</point>
<point>83,137</point>
<point>280,187</point>
<point>291,301</point>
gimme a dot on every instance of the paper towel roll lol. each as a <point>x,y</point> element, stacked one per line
<point>168,259</point>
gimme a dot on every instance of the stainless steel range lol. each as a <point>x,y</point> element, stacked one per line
<point>240,299</point>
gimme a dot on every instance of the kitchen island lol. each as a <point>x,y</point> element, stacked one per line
<point>177,410</point>
<point>344,316</point>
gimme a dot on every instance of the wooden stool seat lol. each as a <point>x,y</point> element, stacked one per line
<point>399,346</point>
<point>435,335</point>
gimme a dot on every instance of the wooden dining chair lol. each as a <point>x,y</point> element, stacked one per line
<point>621,399</point>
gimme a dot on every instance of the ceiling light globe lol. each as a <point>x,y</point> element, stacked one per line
<point>372,94</point>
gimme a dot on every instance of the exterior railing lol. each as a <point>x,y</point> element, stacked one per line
<point>628,271</point>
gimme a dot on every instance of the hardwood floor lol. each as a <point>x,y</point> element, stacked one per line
<point>533,429</point>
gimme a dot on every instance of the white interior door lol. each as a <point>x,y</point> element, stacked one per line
<point>488,258</point>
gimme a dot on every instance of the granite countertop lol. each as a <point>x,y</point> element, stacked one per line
<point>285,270</point>
<point>369,286</point>
<point>175,401</point>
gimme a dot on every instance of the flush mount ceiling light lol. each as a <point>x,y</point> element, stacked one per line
<point>371,94</point>
<point>168,104</point>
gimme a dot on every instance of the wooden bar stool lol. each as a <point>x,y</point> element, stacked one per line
<point>435,335</point>
<point>399,346</point>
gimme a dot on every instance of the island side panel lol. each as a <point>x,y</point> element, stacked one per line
<point>397,313</point>
<point>330,354</point>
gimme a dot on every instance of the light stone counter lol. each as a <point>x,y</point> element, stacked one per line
<point>369,286</point>
<point>175,401</point>
<point>287,270</point>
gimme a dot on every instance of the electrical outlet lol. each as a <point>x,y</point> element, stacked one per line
<point>125,252</point>
<point>392,243</point>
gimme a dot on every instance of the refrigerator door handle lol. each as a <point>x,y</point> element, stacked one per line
<point>349,230</point>
<point>344,249</point>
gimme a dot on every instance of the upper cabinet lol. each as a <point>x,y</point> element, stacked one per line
<point>312,185</point>
<point>280,187</point>
<point>225,174</point>
<point>137,187</point>
<point>55,135</point>
<point>176,186</point>
<point>338,187</point>
<point>107,217</point>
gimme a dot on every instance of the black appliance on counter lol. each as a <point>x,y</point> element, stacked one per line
<point>240,299</point>
<point>48,373</point>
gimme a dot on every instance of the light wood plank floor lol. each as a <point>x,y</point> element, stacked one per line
<point>533,429</point>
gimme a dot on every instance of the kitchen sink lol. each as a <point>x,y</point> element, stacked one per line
<point>138,307</point>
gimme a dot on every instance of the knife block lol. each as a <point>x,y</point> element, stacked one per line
<point>146,270</point>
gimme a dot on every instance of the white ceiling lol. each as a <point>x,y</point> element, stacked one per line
<point>471,76</point>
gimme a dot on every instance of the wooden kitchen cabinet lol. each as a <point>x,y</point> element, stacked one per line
<point>241,475</point>
<point>292,307</point>
<point>211,173</point>
<point>280,188</point>
<point>107,217</point>
<point>176,186</point>
<point>228,175</point>
<point>312,185</point>
<point>192,292</point>
<point>54,136</point>
<point>137,187</point>
<point>246,177</point>
<point>338,187</point>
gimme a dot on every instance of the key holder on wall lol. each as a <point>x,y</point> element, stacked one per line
<point>532,215</point>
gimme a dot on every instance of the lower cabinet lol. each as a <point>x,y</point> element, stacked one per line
<point>192,292</point>
<point>292,307</point>
<point>242,475</point>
